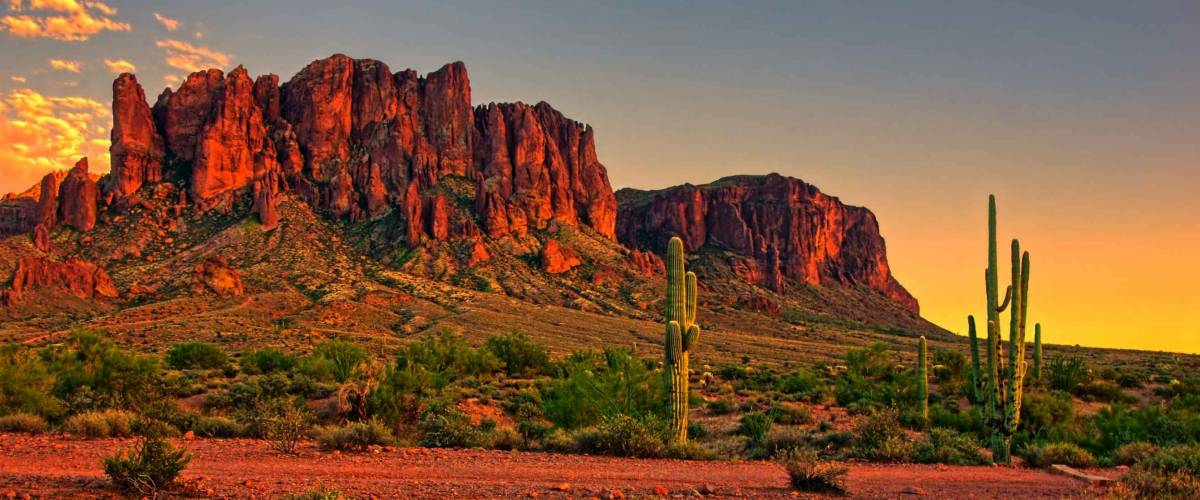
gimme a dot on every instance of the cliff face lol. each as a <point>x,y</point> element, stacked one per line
<point>356,140</point>
<point>784,228</point>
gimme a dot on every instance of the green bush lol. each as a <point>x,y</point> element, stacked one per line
<point>521,357</point>
<point>267,360</point>
<point>810,475</point>
<point>783,439</point>
<point>151,466</point>
<point>944,446</point>
<point>422,370</point>
<point>755,426</point>
<point>1172,472</point>
<point>100,424</point>
<point>281,421</point>
<point>1058,453</point>
<point>443,425</point>
<point>803,384</point>
<point>502,439</point>
<point>27,423</point>
<point>92,373</point>
<point>719,407</point>
<point>880,438</point>
<point>26,383</point>
<point>789,415</point>
<point>624,436</point>
<point>149,427</point>
<point>875,379</point>
<point>1132,453</point>
<point>1066,374</point>
<point>1103,390</point>
<point>590,390</point>
<point>218,427</point>
<point>196,355</point>
<point>357,436</point>
<point>342,357</point>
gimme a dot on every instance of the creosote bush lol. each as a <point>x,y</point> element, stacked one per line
<point>195,355</point>
<point>101,424</point>
<point>357,436</point>
<point>625,436</point>
<point>1058,453</point>
<point>810,475</point>
<point>880,438</point>
<point>152,465</point>
<point>23,422</point>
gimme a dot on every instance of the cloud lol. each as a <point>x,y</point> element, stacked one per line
<point>69,20</point>
<point>192,58</point>
<point>65,65</point>
<point>172,79</point>
<point>18,79</point>
<point>39,134</point>
<point>120,66</point>
<point>168,23</point>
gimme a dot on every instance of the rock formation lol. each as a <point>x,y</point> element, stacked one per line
<point>137,147</point>
<point>78,197</point>
<point>79,278</point>
<point>783,228</point>
<point>216,275</point>
<point>557,259</point>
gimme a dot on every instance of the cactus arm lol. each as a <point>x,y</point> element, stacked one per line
<point>1037,353</point>
<point>1004,303</point>
<point>691,337</point>
<point>676,291</point>
<point>690,303</point>
<point>674,343</point>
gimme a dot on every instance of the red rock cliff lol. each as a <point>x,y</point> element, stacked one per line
<point>787,230</point>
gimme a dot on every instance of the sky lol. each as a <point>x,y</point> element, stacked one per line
<point>1081,116</point>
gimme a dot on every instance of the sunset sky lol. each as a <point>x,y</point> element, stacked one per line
<point>1083,117</point>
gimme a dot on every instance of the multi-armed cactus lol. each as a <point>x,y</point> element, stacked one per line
<point>1037,353</point>
<point>1005,376</point>
<point>682,334</point>
<point>923,383</point>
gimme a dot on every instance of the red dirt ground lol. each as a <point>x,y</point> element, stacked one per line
<point>58,467</point>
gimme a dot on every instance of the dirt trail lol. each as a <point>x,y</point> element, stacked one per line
<point>54,466</point>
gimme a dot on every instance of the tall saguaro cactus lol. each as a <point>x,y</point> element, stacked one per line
<point>1037,353</point>
<point>1005,376</point>
<point>923,383</point>
<point>682,334</point>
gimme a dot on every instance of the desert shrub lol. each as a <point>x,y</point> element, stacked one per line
<point>951,371</point>
<point>949,416</point>
<point>696,430</point>
<point>1057,453</point>
<point>558,440</point>
<point>502,439</point>
<point>589,391</point>
<point>520,356</point>
<point>880,438</point>
<point>267,360</point>
<point>319,493</point>
<point>92,373</point>
<point>357,436</point>
<point>789,415</point>
<point>1066,374</point>
<point>150,427</point>
<point>195,355</point>
<point>27,423</point>
<point>526,404</point>
<point>282,422</point>
<point>1102,390</point>
<point>783,439</point>
<point>719,407</point>
<point>1050,416</point>
<point>1172,472</point>
<point>531,430</point>
<point>1132,453</point>
<point>422,370</point>
<point>755,426</point>
<point>100,424</point>
<point>944,446</point>
<point>168,410</point>
<point>151,466</point>
<point>26,383</point>
<point>341,356</point>
<point>443,425</point>
<point>624,436</point>
<point>810,475</point>
<point>218,427</point>
<point>874,379</point>
<point>243,396</point>
<point>803,384</point>
<point>1157,424</point>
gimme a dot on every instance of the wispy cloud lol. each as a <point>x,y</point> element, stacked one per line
<point>70,20</point>
<point>39,133</point>
<point>192,58</point>
<point>18,79</point>
<point>65,65</point>
<point>168,23</point>
<point>119,66</point>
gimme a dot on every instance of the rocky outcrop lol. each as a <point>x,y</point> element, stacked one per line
<point>214,274</point>
<point>137,147</point>
<point>79,278</point>
<point>557,259</point>
<point>78,198</point>
<point>782,228</point>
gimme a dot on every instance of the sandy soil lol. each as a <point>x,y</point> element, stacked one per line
<point>61,467</point>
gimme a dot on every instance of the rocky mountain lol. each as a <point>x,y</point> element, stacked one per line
<point>778,229</point>
<point>335,200</point>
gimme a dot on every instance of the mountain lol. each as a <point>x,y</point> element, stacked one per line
<point>351,200</point>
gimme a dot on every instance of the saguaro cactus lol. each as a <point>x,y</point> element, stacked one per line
<point>1005,376</point>
<point>977,380</point>
<point>682,334</point>
<point>1037,353</point>
<point>923,383</point>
